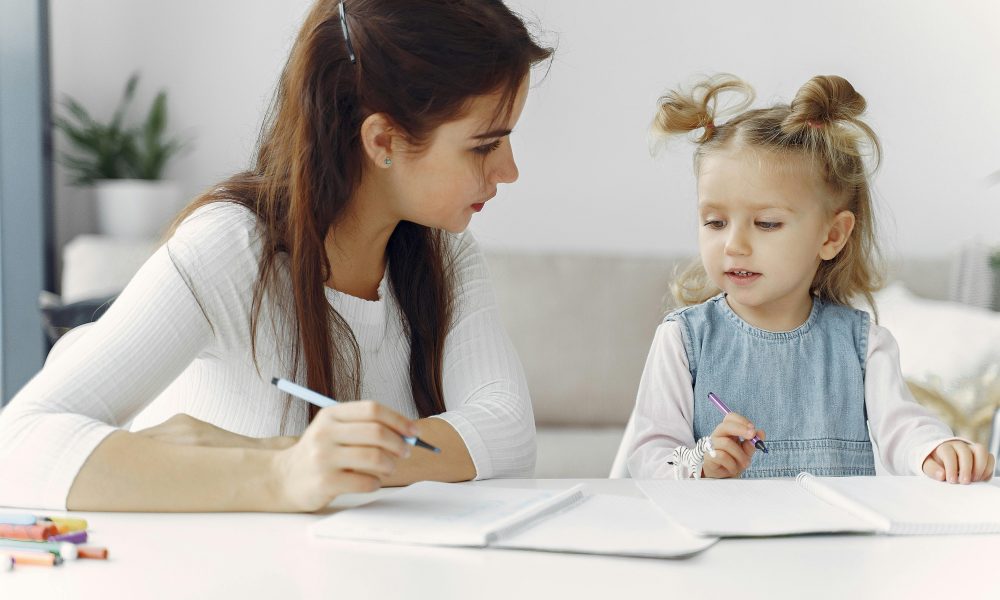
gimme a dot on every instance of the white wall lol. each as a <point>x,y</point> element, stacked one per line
<point>928,70</point>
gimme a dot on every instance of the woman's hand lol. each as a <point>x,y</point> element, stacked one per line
<point>733,448</point>
<point>960,462</point>
<point>348,448</point>
<point>187,430</point>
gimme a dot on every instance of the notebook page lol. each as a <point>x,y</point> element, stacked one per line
<point>919,505</point>
<point>746,508</point>
<point>613,525</point>
<point>434,513</point>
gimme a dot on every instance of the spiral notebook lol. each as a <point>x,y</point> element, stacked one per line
<point>478,516</point>
<point>809,504</point>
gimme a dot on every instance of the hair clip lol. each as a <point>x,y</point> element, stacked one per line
<point>347,33</point>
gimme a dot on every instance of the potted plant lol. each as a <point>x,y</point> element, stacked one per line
<point>124,164</point>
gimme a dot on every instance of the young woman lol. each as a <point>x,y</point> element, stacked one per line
<point>334,262</point>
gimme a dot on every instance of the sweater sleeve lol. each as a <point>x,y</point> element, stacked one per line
<point>664,408</point>
<point>145,339</point>
<point>158,325</point>
<point>904,432</point>
<point>485,392</point>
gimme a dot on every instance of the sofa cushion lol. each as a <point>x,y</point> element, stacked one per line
<point>582,326</point>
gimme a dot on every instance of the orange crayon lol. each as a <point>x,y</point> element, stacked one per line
<point>39,559</point>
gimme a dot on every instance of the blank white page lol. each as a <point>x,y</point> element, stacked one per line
<point>607,524</point>
<point>919,505</point>
<point>746,508</point>
<point>446,514</point>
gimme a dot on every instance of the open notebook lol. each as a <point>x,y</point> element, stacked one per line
<point>809,504</point>
<point>572,520</point>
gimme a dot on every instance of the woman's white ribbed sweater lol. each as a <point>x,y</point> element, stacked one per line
<point>178,340</point>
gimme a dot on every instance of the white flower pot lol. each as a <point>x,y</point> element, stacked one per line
<point>136,208</point>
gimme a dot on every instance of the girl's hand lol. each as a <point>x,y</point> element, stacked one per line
<point>348,448</point>
<point>186,430</point>
<point>732,456</point>
<point>959,462</point>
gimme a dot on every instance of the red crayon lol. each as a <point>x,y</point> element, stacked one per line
<point>98,552</point>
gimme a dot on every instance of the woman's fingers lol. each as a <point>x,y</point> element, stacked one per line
<point>370,434</point>
<point>359,459</point>
<point>350,482</point>
<point>349,447</point>
<point>369,410</point>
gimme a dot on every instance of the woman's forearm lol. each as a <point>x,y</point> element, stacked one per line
<point>185,429</point>
<point>453,463</point>
<point>133,472</point>
<point>193,467</point>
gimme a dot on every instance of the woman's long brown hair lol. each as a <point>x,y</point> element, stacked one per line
<point>419,62</point>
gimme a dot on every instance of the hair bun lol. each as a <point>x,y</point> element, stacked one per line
<point>826,99</point>
<point>682,111</point>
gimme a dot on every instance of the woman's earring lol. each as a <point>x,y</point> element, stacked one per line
<point>388,161</point>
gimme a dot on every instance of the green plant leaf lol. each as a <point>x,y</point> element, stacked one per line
<point>78,111</point>
<point>156,122</point>
<point>130,85</point>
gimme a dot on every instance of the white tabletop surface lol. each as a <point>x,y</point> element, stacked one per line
<point>157,555</point>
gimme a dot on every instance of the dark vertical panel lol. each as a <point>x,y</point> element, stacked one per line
<point>25,188</point>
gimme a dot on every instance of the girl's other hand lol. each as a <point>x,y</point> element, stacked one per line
<point>348,448</point>
<point>960,462</point>
<point>733,448</point>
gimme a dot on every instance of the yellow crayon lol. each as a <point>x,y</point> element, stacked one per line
<point>69,524</point>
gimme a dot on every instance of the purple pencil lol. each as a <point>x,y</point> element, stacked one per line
<point>719,404</point>
<point>75,537</point>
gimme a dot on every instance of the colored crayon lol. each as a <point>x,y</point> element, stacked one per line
<point>95,552</point>
<point>8,518</point>
<point>40,559</point>
<point>62,549</point>
<point>69,524</point>
<point>77,537</point>
<point>28,532</point>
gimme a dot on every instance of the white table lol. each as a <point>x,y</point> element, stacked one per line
<point>272,556</point>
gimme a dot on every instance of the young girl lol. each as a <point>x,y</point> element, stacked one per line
<point>330,262</point>
<point>787,236</point>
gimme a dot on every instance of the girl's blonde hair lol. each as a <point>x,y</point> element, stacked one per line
<point>821,124</point>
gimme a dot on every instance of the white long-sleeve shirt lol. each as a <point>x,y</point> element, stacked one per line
<point>178,340</point>
<point>904,432</point>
